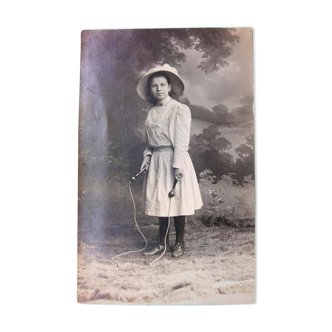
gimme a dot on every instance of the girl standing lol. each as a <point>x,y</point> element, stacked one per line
<point>166,156</point>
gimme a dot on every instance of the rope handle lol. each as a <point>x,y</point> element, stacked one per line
<point>172,192</point>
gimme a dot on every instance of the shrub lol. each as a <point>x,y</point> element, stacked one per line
<point>225,198</point>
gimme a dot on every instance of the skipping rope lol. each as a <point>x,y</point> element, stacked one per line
<point>170,195</point>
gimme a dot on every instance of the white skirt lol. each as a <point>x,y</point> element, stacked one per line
<point>159,182</point>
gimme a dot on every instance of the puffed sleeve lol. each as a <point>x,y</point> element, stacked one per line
<point>181,135</point>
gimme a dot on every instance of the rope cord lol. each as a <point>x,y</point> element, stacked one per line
<point>146,242</point>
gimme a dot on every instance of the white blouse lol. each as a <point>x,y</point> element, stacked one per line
<point>168,124</point>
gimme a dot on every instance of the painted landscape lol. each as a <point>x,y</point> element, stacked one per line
<point>219,264</point>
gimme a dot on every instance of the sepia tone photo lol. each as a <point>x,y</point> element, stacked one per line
<point>166,187</point>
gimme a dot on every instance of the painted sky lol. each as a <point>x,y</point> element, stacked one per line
<point>227,85</point>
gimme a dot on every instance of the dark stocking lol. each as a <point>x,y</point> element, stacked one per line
<point>179,223</point>
<point>163,223</point>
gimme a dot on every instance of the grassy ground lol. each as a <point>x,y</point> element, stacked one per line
<point>218,267</point>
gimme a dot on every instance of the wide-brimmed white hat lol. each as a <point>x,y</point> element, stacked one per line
<point>172,74</point>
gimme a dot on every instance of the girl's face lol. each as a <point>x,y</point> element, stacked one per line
<point>160,88</point>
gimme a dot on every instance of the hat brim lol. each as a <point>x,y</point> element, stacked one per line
<point>176,82</point>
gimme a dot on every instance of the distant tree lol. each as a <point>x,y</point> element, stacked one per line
<point>209,151</point>
<point>244,112</point>
<point>240,114</point>
<point>245,164</point>
<point>211,139</point>
<point>223,116</point>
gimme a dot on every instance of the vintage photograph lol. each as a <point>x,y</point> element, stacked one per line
<point>166,167</point>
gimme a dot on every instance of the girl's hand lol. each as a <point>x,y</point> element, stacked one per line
<point>146,162</point>
<point>178,174</point>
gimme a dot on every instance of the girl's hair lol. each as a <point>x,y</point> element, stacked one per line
<point>149,95</point>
